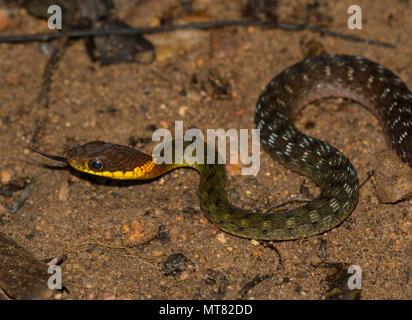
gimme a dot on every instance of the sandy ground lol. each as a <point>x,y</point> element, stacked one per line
<point>151,240</point>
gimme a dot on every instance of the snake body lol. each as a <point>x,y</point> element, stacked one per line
<point>314,78</point>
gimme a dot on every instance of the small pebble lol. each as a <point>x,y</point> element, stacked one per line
<point>184,276</point>
<point>392,178</point>
<point>182,110</point>
<point>254,242</point>
<point>5,177</point>
<point>257,253</point>
<point>221,237</point>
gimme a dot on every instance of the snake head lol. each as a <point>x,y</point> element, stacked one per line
<point>109,160</point>
<point>89,157</point>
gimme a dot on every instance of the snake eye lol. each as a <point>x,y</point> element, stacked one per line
<point>96,165</point>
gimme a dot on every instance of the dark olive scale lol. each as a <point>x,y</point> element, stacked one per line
<point>314,78</point>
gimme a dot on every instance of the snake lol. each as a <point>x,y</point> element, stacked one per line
<point>333,75</point>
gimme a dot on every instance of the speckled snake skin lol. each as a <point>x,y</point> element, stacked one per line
<point>314,78</point>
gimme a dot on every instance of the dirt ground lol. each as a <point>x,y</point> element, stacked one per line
<point>150,240</point>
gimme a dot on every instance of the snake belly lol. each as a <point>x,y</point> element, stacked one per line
<point>353,77</point>
<point>314,78</point>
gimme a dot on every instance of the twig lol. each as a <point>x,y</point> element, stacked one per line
<point>369,177</point>
<point>129,253</point>
<point>49,70</point>
<point>248,286</point>
<point>201,25</point>
<point>19,201</point>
